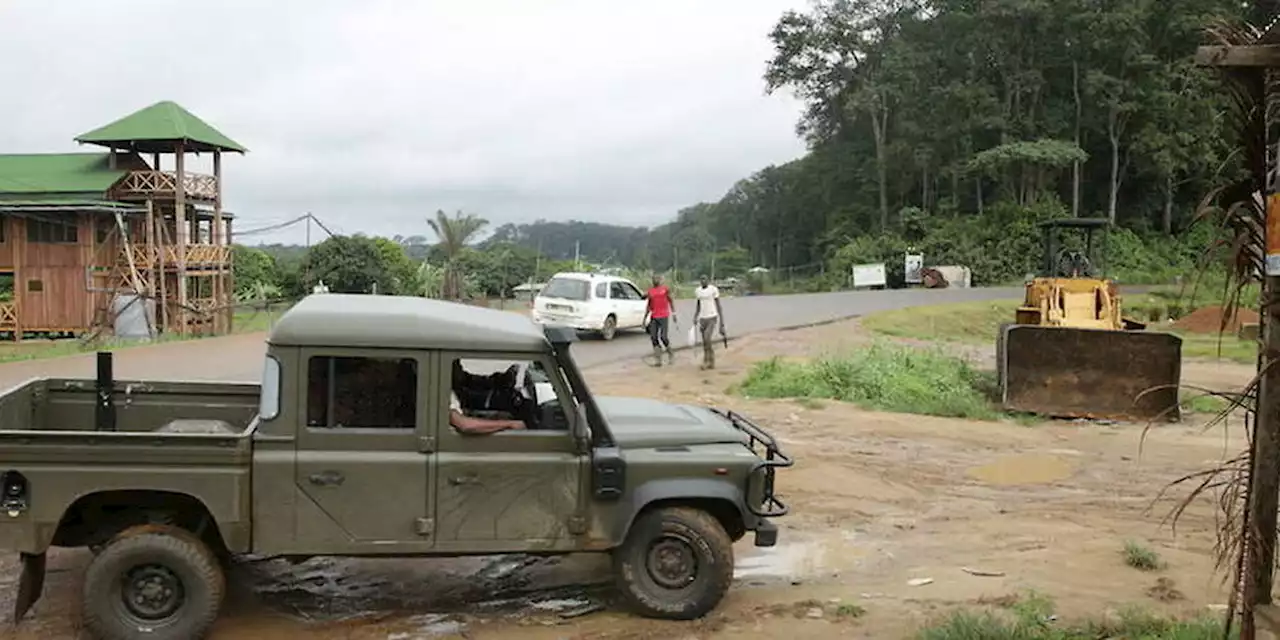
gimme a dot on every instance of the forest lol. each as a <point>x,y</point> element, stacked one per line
<point>952,127</point>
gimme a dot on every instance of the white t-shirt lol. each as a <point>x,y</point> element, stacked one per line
<point>707,301</point>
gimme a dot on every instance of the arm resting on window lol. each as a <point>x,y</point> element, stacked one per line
<point>481,426</point>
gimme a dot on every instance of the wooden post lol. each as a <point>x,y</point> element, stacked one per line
<point>181,230</point>
<point>215,237</point>
<point>162,303</point>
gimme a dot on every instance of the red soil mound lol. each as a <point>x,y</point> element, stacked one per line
<point>1209,320</point>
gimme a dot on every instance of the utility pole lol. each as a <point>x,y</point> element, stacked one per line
<point>577,255</point>
<point>1252,65</point>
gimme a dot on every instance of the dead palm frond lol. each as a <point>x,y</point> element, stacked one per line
<point>1237,209</point>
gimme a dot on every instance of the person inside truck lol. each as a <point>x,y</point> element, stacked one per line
<point>458,417</point>
<point>477,426</point>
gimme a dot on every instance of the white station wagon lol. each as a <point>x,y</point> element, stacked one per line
<point>590,302</point>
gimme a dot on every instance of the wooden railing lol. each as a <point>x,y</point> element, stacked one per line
<point>165,183</point>
<point>197,254</point>
<point>8,315</point>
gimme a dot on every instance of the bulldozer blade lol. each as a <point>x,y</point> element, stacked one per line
<point>1089,373</point>
<point>30,584</point>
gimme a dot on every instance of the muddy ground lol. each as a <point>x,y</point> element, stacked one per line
<point>880,502</point>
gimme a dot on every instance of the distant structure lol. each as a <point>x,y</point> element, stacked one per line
<point>84,237</point>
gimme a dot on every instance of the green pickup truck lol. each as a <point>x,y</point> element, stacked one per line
<point>350,446</point>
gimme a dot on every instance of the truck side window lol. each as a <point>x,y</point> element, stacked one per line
<point>504,389</point>
<point>370,393</point>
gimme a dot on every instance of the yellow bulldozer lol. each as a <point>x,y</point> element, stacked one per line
<point>1069,351</point>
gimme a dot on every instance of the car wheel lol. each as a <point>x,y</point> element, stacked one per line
<point>676,563</point>
<point>610,328</point>
<point>157,582</point>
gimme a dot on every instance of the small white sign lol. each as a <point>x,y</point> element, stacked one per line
<point>912,266</point>
<point>869,275</point>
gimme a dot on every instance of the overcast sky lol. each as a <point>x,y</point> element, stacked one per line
<point>374,113</point>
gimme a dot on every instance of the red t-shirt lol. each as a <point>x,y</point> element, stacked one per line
<point>659,302</point>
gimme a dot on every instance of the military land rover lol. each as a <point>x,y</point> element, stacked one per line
<point>346,448</point>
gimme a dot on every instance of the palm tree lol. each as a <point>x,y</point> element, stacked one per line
<point>454,233</point>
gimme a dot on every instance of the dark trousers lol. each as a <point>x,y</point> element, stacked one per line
<point>658,332</point>
<point>707,327</point>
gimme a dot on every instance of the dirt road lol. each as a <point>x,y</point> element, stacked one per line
<point>879,500</point>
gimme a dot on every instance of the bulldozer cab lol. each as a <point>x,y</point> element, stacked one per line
<point>1074,248</point>
<point>1071,289</point>
<point>1069,352</point>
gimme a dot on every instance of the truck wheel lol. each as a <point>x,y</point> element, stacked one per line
<point>153,581</point>
<point>610,328</point>
<point>676,563</point>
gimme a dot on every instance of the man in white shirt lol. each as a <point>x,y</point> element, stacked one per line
<point>709,315</point>
<point>476,426</point>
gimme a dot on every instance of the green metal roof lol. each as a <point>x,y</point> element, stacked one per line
<point>157,129</point>
<point>59,173</point>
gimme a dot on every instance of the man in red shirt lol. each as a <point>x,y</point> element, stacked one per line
<point>659,312</point>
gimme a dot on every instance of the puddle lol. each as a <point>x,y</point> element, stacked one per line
<point>330,589</point>
<point>1028,468</point>
<point>783,561</point>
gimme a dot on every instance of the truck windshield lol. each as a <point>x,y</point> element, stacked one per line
<point>566,289</point>
<point>269,401</point>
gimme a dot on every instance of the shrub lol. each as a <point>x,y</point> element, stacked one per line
<point>882,376</point>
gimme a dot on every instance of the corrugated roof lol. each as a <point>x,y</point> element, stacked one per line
<point>157,129</point>
<point>59,173</point>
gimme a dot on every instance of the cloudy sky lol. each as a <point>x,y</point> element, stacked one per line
<point>373,113</point>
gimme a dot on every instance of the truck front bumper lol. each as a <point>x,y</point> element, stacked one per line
<point>766,533</point>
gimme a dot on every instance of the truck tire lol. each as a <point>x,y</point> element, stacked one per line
<point>676,564</point>
<point>153,581</point>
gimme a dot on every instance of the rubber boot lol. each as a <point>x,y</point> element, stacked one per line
<point>671,357</point>
<point>657,356</point>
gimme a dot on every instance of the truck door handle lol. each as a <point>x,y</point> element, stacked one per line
<point>327,478</point>
<point>458,481</point>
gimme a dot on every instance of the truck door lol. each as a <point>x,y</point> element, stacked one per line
<point>364,452</point>
<point>513,490</point>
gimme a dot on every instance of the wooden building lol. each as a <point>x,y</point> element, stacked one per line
<point>85,235</point>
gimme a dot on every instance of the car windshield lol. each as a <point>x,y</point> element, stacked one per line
<point>567,289</point>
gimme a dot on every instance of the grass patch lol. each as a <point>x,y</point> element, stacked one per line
<point>1204,403</point>
<point>966,322</point>
<point>1141,557</point>
<point>885,377</point>
<point>978,323</point>
<point>1214,347</point>
<point>1029,619</point>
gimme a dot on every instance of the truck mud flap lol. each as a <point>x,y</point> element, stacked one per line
<point>1089,373</point>
<point>30,584</point>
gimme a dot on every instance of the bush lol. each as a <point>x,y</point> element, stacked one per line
<point>1030,620</point>
<point>882,376</point>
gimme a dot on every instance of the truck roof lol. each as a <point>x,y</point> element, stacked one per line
<point>403,322</point>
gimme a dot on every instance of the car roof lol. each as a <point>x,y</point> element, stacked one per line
<point>403,322</point>
<point>575,275</point>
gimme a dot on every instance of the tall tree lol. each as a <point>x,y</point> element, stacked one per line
<point>454,233</point>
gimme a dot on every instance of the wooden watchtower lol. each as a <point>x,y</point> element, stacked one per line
<point>81,232</point>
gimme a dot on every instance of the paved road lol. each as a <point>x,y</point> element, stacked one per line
<point>240,357</point>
